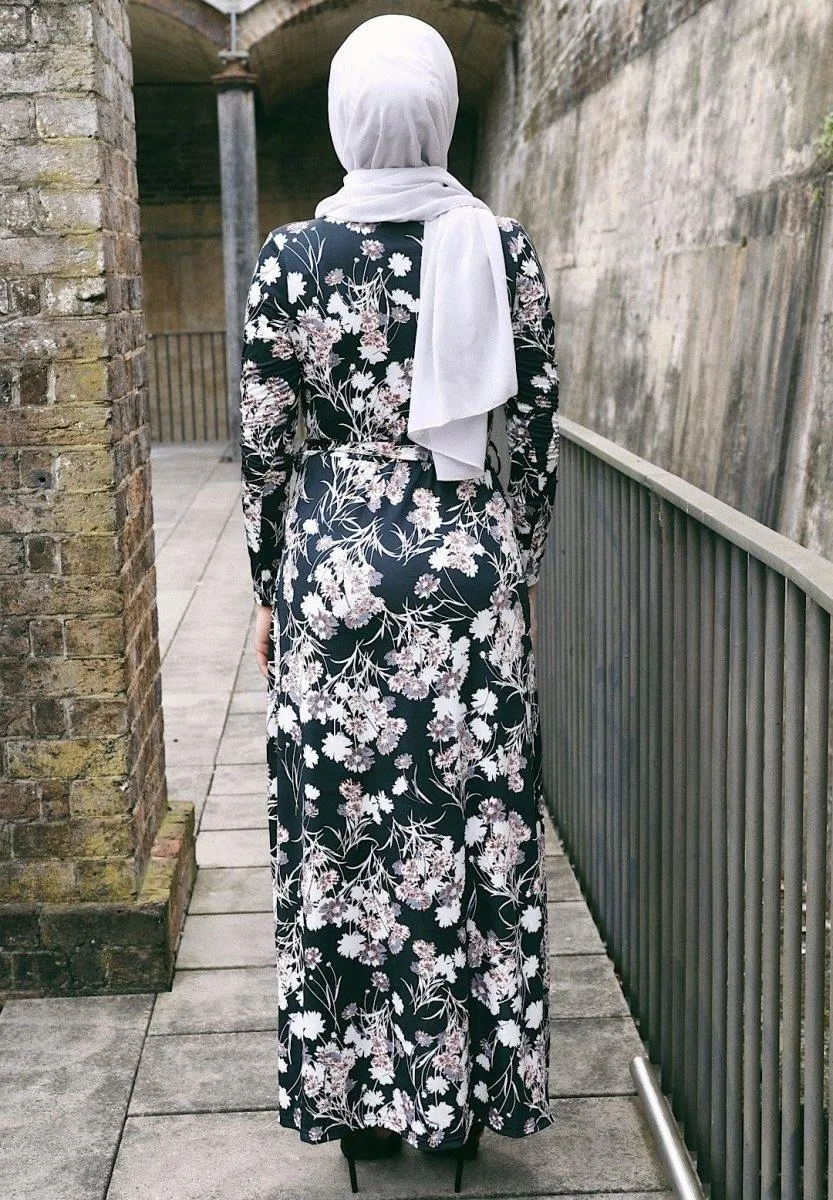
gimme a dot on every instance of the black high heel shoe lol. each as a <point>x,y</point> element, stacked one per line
<point>460,1153</point>
<point>367,1144</point>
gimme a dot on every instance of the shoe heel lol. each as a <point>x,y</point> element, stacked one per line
<point>351,1163</point>
<point>458,1174</point>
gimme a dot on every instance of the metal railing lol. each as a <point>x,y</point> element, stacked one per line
<point>685,694</point>
<point>187,386</point>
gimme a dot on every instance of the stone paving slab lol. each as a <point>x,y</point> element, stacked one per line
<point>194,723</point>
<point>561,882</point>
<point>66,1070</point>
<point>235,780</point>
<point>552,842</point>
<point>585,984</point>
<point>571,929</point>
<point>253,701</point>
<point>187,551</point>
<point>189,781</point>
<point>190,665</point>
<point>251,723</point>
<point>249,678</point>
<point>220,1071</point>
<point>236,812</point>
<point>232,889</point>
<point>233,848</point>
<point>194,665</point>
<point>180,473</point>
<point>199,551</point>
<point>243,747</point>
<point>233,1000</point>
<point>589,1056</point>
<point>171,606</point>
<point>206,1072</point>
<point>215,1072</point>
<point>597,1144</point>
<point>192,495</point>
<point>228,940</point>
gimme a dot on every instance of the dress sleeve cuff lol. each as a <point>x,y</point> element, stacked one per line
<point>263,589</point>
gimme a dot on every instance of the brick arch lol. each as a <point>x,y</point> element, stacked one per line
<point>291,42</point>
<point>176,40</point>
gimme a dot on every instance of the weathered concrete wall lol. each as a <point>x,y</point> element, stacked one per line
<point>661,155</point>
<point>95,867</point>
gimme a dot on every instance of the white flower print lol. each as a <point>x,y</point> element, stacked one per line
<point>336,746</point>
<point>484,701</point>
<point>307,1025</point>
<point>483,625</point>
<point>351,944</point>
<point>296,286</point>
<point>439,1115</point>
<point>362,380</point>
<point>531,918</point>
<point>508,1033</point>
<point>270,271</point>
<point>397,380</point>
<point>349,318</point>
<point>400,264</point>
<point>400,296</point>
<point>475,830</point>
<point>534,1014</point>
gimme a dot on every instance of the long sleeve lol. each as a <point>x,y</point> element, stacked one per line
<point>532,414</point>
<point>270,388</point>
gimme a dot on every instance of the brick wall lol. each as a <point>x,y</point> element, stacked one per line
<point>83,794</point>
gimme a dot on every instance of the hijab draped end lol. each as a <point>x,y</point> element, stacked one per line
<point>458,448</point>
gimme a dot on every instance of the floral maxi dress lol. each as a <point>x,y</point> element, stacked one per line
<point>405,800</point>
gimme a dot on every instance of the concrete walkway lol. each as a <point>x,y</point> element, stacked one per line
<point>173,1096</point>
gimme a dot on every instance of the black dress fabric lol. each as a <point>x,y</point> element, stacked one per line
<point>405,801</point>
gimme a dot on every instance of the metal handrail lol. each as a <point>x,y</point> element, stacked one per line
<point>661,1122</point>
<point>684,676</point>
<point>810,571</point>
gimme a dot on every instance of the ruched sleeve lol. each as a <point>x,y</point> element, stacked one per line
<point>532,414</point>
<point>270,389</point>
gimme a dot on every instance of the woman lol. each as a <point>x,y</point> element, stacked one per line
<point>395,585</point>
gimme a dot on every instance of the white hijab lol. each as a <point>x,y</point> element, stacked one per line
<point>392,104</point>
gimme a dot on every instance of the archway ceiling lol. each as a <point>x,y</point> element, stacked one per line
<point>291,42</point>
<point>175,42</point>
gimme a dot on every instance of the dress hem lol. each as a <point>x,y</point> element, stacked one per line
<point>332,1135</point>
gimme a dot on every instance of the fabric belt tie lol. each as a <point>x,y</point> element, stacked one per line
<point>378,449</point>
